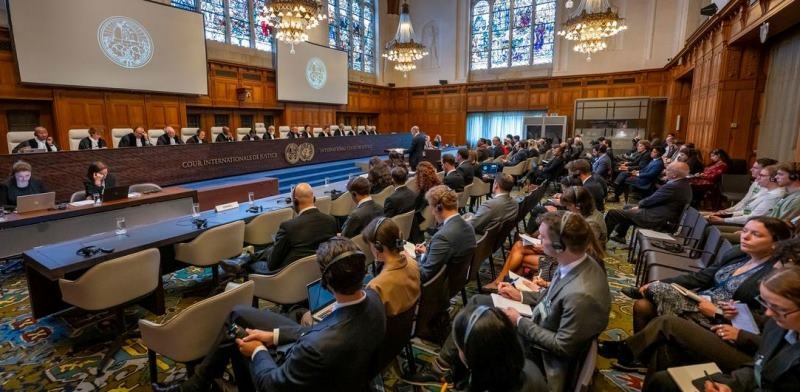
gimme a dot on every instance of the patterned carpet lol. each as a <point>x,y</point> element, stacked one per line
<point>36,355</point>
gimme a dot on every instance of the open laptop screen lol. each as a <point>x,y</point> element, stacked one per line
<point>319,297</point>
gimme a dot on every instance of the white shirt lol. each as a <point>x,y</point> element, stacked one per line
<point>95,144</point>
<point>763,202</point>
<point>364,200</point>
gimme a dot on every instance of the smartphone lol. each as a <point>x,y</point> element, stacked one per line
<point>237,331</point>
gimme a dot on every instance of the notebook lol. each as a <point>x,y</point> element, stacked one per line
<point>36,202</point>
<point>685,376</point>
<point>115,193</point>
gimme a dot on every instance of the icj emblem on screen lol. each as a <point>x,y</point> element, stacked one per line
<point>316,73</point>
<point>125,42</point>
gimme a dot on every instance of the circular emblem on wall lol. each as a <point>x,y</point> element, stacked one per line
<point>291,153</point>
<point>306,152</point>
<point>125,42</point>
<point>316,73</point>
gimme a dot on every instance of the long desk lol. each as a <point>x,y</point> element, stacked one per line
<point>44,265</point>
<point>21,232</point>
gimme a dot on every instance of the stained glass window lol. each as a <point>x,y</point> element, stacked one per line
<point>510,33</point>
<point>232,21</point>
<point>351,27</point>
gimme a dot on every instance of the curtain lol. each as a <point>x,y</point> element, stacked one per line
<point>781,122</point>
<point>490,124</point>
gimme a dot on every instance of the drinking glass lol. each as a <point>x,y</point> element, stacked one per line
<point>195,210</point>
<point>251,197</point>
<point>327,182</point>
<point>121,227</point>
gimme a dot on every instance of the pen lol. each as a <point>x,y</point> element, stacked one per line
<point>708,378</point>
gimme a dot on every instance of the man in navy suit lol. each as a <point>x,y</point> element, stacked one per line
<point>417,147</point>
<point>658,211</point>
<point>169,137</point>
<point>366,209</point>
<point>334,355</point>
<point>452,177</point>
<point>402,199</point>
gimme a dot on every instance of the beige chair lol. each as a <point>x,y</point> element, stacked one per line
<point>584,380</point>
<point>411,183</point>
<point>364,166</point>
<point>316,131</point>
<point>75,136</point>
<point>77,196</point>
<point>381,196</point>
<point>117,134</point>
<point>215,131</point>
<point>342,206</point>
<point>323,204</point>
<point>404,222</point>
<point>360,128</point>
<point>463,198</point>
<point>261,230</point>
<point>261,130</point>
<point>479,189</point>
<point>518,169</point>
<point>288,286</point>
<point>211,246</point>
<point>440,174</point>
<point>147,187</point>
<point>283,130</point>
<point>348,129</point>
<point>241,132</point>
<point>187,133</point>
<point>364,247</point>
<point>154,134</point>
<point>334,128</point>
<point>15,138</point>
<point>428,220</point>
<point>189,335</point>
<point>112,284</point>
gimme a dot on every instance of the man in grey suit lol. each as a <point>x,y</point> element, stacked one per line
<point>452,242</point>
<point>366,209</point>
<point>658,211</point>
<point>402,200</point>
<point>499,208</point>
<point>567,316</point>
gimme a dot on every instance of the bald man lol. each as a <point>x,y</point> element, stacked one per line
<point>299,236</point>
<point>659,211</point>
<point>169,137</point>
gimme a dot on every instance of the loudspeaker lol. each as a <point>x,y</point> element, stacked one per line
<point>442,81</point>
<point>391,84</point>
<point>709,10</point>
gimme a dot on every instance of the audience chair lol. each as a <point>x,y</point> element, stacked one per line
<point>478,190</point>
<point>458,275</point>
<point>147,187</point>
<point>411,183</point>
<point>287,286</point>
<point>75,136</point>
<point>323,204</point>
<point>586,371</point>
<point>733,187</point>
<point>404,221</point>
<point>686,259</point>
<point>440,174</point>
<point>189,335</point>
<point>463,199</point>
<point>187,133</point>
<point>111,285</point>
<point>432,320</point>
<point>117,134</point>
<point>428,220</point>
<point>517,170</point>
<point>215,131</point>
<point>77,196</point>
<point>261,230</point>
<point>396,337</point>
<point>381,196</point>
<point>341,207</point>
<point>658,271</point>
<point>365,248</point>
<point>684,228</point>
<point>483,251</point>
<point>15,137</point>
<point>154,134</point>
<point>241,132</point>
<point>211,246</point>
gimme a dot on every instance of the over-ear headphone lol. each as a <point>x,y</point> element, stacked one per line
<point>377,243</point>
<point>794,175</point>
<point>473,319</point>
<point>439,207</point>
<point>559,244</point>
<point>324,278</point>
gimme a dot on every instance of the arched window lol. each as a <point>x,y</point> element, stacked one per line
<point>510,33</point>
<point>351,27</point>
<point>231,21</point>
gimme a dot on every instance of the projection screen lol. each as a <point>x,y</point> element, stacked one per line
<point>117,44</point>
<point>313,73</point>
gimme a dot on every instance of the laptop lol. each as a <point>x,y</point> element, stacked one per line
<point>320,300</point>
<point>115,193</point>
<point>36,202</point>
<point>489,169</point>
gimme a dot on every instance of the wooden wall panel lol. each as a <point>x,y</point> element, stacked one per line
<point>125,111</point>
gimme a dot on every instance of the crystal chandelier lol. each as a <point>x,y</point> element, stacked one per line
<point>403,50</point>
<point>595,22</point>
<point>291,18</point>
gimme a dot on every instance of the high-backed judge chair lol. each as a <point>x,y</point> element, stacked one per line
<point>154,134</point>
<point>15,137</point>
<point>283,130</point>
<point>117,134</point>
<point>214,132</point>
<point>75,136</point>
<point>241,132</point>
<point>187,133</point>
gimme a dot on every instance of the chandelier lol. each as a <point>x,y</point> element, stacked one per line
<point>589,28</point>
<point>403,50</point>
<point>292,18</point>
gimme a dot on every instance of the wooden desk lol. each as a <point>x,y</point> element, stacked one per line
<point>21,232</point>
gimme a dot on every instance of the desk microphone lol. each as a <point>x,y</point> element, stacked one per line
<point>200,223</point>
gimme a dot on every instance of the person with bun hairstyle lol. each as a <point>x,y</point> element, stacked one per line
<point>398,282</point>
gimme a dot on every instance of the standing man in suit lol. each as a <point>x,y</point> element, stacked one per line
<point>465,168</point>
<point>298,237</point>
<point>500,208</point>
<point>417,148</point>
<point>198,138</point>
<point>225,136</point>
<point>452,177</point>
<point>92,142</point>
<point>455,238</point>
<point>657,211</point>
<point>334,355</point>
<point>567,315</point>
<point>137,138</point>
<point>402,199</point>
<point>366,209</point>
<point>169,137</point>
<point>41,141</point>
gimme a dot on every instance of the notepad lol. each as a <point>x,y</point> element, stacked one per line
<point>410,249</point>
<point>503,302</point>
<point>685,375</point>
<point>81,203</point>
<point>519,282</point>
<point>744,319</point>
<point>693,296</point>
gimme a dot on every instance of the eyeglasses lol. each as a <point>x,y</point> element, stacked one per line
<point>780,313</point>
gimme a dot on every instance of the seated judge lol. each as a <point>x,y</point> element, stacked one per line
<point>366,209</point>
<point>403,199</point>
<point>326,132</point>
<point>92,142</point>
<point>270,135</point>
<point>198,138</point>
<point>137,138</point>
<point>339,131</point>
<point>169,137</point>
<point>363,132</point>
<point>225,136</point>
<point>21,183</point>
<point>307,132</point>
<point>371,130</point>
<point>294,133</point>
<point>334,355</point>
<point>98,179</point>
<point>41,141</point>
<point>251,136</point>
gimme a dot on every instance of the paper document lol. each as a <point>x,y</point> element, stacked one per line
<point>528,240</point>
<point>81,203</point>
<point>684,375</point>
<point>409,248</point>
<point>519,282</point>
<point>503,302</point>
<point>693,296</point>
<point>652,234</point>
<point>744,319</point>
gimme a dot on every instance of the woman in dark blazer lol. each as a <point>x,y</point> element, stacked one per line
<point>98,179</point>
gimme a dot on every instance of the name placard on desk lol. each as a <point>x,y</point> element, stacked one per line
<point>227,206</point>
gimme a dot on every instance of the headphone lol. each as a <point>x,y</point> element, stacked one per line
<point>559,245</point>
<point>295,202</point>
<point>439,207</point>
<point>378,245</point>
<point>324,278</point>
<point>794,175</point>
<point>473,319</point>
